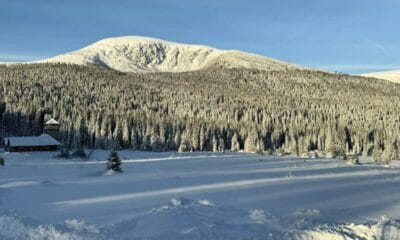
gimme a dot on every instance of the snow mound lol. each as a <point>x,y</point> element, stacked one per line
<point>180,201</point>
<point>143,54</point>
<point>80,226</point>
<point>307,213</point>
<point>259,216</point>
<point>383,230</point>
<point>14,227</point>
<point>205,202</point>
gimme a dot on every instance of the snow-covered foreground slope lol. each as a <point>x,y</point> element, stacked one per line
<point>393,76</point>
<point>142,54</point>
<point>196,196</point>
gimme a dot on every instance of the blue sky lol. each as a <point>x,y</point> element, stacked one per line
<point>350,36</point>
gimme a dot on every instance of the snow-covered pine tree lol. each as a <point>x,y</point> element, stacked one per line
<point>114,163</point>
<point>156,143</point>
<point>185,145</point>
<point>235,146</point>
<point>377,154</point>
<point>251,143</point>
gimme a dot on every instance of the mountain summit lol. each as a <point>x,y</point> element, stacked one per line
<point>143,54</point>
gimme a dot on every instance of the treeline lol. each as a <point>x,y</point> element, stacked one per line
<point>292,111</point>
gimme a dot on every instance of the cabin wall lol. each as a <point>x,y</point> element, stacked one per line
<point>31,148</point>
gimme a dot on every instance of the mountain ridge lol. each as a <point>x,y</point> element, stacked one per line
<point>145,54</point>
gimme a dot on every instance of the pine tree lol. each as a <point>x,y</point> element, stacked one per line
<point>330,148</point>
<point>388,152</point>
<point>185,145</point>
<point>235,146</point>
<point>377,154</point>
<point>251,144</point>
<point>156,143</point>
<point>214,143</point>
<point>114,163</point>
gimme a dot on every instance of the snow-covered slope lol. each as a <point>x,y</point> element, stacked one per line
<point>142,54</point>
<point>393,76</point>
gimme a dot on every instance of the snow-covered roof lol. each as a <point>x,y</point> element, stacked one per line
<point>52,121</point>
<point>42,140</point>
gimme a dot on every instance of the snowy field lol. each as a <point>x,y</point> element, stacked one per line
<point>196,196</point>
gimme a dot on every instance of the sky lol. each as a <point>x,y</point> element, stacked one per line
<point>350,36</point>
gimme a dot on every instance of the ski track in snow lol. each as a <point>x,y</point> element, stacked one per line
<point>143,160</point>
<point>18,184</point>
<point>211,187</point>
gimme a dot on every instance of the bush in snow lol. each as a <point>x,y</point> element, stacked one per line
<point>64,153</point>
<point>114,163</point>
<point>79,153</point>
<point>1,161</point>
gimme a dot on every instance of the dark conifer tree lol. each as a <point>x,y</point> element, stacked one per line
<point>114,163</point>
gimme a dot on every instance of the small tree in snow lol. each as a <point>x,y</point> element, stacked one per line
<point>114,163</point>
<point>64,153</point>
<point>79,153</point>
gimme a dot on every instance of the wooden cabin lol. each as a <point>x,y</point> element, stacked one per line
<point>43,142</point>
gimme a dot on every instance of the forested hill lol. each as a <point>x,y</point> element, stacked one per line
<point>214,109</point>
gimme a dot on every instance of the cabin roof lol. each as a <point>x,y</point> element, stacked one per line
<point>52,121</point>
<point>42,140</point>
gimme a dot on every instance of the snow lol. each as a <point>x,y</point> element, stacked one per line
<point>143,54</point>
<point>200,195</point>
<point>52,122</point>
<point>258,215</point>
<point>383,230</point>
<point>42,140</point>
<point>205,202</point>
<point>393,76</point>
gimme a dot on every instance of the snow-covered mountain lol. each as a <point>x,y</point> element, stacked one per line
<point>393,76</point>
<point>143,54</point>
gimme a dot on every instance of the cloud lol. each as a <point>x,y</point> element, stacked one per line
<point>375,44</point>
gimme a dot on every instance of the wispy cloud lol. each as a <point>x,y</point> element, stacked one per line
<point>375,44</point>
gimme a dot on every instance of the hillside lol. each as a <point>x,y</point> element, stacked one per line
<point>215,109</point>
<point>393,76</point>
<point>142,54</point>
